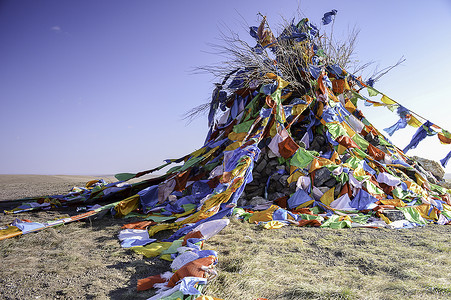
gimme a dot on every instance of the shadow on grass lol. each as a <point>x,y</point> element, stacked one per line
<point>307,293</point>
<point>136,266</point>
<point>142,269</point>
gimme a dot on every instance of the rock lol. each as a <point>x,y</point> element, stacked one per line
<point>394,214</point>
<point>323,189</point>
<point>331,182</point>
<point>275,186</point>
<point>411,174</point>
<point>432,166</point>
<point>288,169</point>
<point>321,139</point>
<point>337,190</point>
<point>431,179</point>
<point>318,142</point>
<point>324,149</point>
<point>250,188</point>
<point>271,167</point>
<point>261,166</point>
<point>257,201</point>
<point>256,193</point>
<point>321,176</point>
<point>257,177</point>
<point>283,180</point>
<point>426,174</point>
<point>241,202</point>
<point>288,191</point>
<point>275,196</point>
<point>275,177</point>
<point>271,154</point>
<point>259,158</point>
<point>280,168</point>
<point>445,183</point>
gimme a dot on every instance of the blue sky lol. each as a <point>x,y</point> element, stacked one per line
<point>100,87</point>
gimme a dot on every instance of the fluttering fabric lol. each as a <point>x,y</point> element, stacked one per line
<point>444,161</point>
<point>327,18</point>
<point>421,133</point>
<point>402,123</point>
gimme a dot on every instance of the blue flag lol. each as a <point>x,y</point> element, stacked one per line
<point>444,161</point>
<point>327,18</point>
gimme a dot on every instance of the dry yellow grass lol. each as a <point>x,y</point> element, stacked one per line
<point>84,260</point>
<point>75,261</point>
<point>321,263</point>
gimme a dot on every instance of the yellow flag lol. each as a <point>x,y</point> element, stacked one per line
<point>305,204</point>
<point>273,225</point>
<point>233,146</point>
<point>298,109</point>
<point>127,205</point>
<point>414,122</point>
<point>328,196</point>
<point>420,179</point>
<point>348,129</point>
<point>426,211</point>
<point>153,249</point>
<point>203,297</point>
<point>233,136</point>
<point>359,171</point>
<point>350,106</point>
<point>394,202</point>
<point>209,153</point>
<point>341,149</point>
<point>198,152</point>
<point>294,177</point>
<point>282,83</point>
<point>387,100</point>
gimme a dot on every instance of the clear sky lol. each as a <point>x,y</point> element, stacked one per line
<point>100,87</point>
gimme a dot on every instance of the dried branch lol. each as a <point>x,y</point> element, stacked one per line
<point>288,58</point>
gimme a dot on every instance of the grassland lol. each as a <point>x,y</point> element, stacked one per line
<point>322,263</point>
<point>83,260</point>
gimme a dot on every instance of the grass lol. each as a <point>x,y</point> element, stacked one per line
<point>75,261</point>
<point>314,263</point>
<point>84,260</point>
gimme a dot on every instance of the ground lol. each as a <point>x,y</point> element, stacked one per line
<point>84,260</point>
